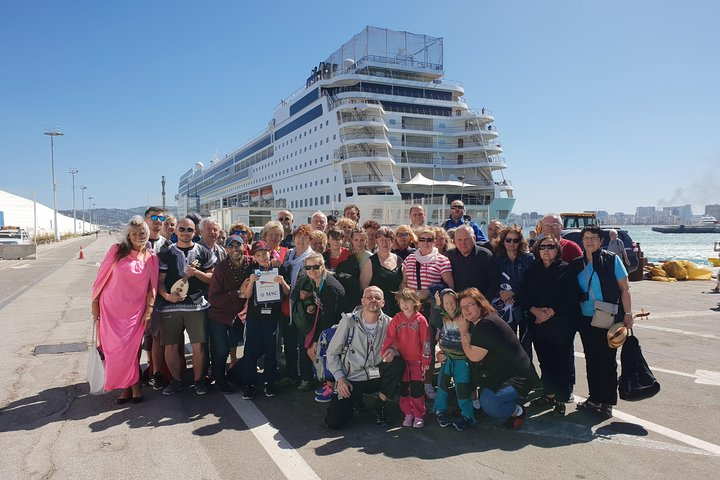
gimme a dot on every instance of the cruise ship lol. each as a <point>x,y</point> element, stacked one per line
<point>375,124</point>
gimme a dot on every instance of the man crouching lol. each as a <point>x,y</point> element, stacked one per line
<point>353,357</point>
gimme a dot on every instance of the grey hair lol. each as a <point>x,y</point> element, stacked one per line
<point>319,214</point>
<point>207,221</point>
<point>468,229</point>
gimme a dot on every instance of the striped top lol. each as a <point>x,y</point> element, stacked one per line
<point>430,273</point>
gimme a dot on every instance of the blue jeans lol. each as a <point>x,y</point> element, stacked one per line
<point>500,404</point>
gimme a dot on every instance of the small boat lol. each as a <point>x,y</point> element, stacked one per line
<point>715,262</point>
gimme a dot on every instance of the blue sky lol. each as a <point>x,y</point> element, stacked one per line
<point>599,105</point>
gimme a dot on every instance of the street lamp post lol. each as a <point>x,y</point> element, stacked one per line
<point>82,190</point>
<point>54,132</point>
<point>72,172</point>
<point>90,199</point>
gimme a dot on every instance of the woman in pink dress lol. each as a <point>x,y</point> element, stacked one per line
<point>122,300</point>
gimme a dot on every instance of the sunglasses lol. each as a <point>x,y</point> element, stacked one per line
<point>403,235</point>
<point>284,219</point>
<point>312,267</point>
<point>457,207</point>
<point>186,229</point>
<point>426,239</point>
<point>240,232</point>
<point>512,240</point>
<point>547,247</point>
<point>155,218</point>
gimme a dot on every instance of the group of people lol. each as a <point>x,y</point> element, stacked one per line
<point>394,303</point>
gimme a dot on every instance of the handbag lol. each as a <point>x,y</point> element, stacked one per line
<point>605,312</point>
<point>604,316</point>
<point>95,366</point>
<point>637,381</point>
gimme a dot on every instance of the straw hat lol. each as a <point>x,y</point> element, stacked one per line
<point>617,335</point>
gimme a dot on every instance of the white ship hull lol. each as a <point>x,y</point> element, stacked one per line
<point>378,127</point>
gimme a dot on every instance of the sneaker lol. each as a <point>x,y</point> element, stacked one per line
<point>305,386</point>
<point>380,415</point>
<point>559,409</point>
<point>515,421</point>
<point>321,389</point>
<point>157,381</point>
<point>173,387</point>
<point>408,421</point>
<point>248,392</point>
<point>462,423</point>
<point>443,419</point>
<point>326,395</point>
<point>418,423</point>
<point>270,390</point>
<point>429,391</point>
<point>201,387</point>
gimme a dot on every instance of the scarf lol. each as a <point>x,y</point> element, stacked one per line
<point>296,262</point>
<point>429,258</point>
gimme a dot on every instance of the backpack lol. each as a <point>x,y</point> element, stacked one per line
<point>320,363</point>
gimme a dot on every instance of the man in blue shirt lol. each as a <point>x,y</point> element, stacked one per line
<point>457,212</point>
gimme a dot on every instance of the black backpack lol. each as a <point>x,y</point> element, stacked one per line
<point>636,381</point>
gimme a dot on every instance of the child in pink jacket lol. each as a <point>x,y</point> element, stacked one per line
<point>407,336</point>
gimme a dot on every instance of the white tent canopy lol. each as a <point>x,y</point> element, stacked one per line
<point>419,180</point>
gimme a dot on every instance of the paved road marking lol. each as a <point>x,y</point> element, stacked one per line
<point>667,432</point>
<point>705,377</point>
<point>292,465</point>
<point>675,330</point>
<point>23,265</point>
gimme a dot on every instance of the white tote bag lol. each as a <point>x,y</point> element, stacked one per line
<point>95,366</point>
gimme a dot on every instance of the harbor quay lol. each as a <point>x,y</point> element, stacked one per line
<point>52,428</point>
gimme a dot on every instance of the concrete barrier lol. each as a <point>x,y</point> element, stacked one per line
<point>17,251</point>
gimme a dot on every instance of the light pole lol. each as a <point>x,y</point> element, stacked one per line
<point>90,199</point>
<point>72,172</point>
<point>82,190</point>
<point>54,132</point>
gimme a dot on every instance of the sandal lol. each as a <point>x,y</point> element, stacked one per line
<point>122,399</point>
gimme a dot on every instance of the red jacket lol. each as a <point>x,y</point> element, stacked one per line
<point>408,337</point>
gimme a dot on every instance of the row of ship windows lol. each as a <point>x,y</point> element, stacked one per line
<point>312,202</point>
<point>303,134</point>
<point>291,169</point>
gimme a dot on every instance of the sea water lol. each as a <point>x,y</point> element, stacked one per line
<point>658,247</point>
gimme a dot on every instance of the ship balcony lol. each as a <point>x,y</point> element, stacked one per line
<point>358,156</point>
<point>368,178</point>
<point>482,116</point>
<point>489,148</point>
<point>362,120</point>
<point>493,163</point>
<point>365,138</point>
<point>468,131</point>
<point>352,104</point>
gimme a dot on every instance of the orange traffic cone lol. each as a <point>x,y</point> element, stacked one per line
<point>82,255</point>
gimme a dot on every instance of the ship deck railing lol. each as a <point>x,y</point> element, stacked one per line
<point>369,178</point>
<point>466,161</point>
<point>446,146</point>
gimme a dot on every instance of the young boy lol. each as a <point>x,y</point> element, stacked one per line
<point>407,336</point>
<point>454,362</point>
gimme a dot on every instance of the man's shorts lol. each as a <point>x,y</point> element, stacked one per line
<point>172,325</point>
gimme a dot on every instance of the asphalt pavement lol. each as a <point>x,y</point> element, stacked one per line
<point>50,427</point>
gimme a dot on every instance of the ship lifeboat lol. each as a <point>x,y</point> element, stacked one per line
<point>267,193</point>
<point>255,196</point>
